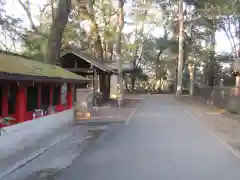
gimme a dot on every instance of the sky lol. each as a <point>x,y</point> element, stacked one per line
<point>16,10</point>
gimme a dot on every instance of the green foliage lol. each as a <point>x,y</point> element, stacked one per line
<point>5,121</point>
<point>34,46</point>
<point>162,44</point>
<point>202,19</point>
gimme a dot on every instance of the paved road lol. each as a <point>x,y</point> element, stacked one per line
<point>58,157</point>
<point>161,142</point>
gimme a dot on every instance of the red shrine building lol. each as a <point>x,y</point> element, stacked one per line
<point>28,87</point>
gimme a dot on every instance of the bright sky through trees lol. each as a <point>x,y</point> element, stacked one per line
<point>13,8</point>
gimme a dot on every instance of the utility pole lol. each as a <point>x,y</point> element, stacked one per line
<point>180,50</point>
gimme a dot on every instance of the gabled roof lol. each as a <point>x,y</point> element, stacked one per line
<point>17,67</point>
<point>88,59</point>
<point>126,66</point>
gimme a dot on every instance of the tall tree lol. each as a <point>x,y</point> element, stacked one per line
<point>51,37</point>
<point>118,50</point>
<point>10,29</point>
<point>56,33</point>
<point>181,50</point>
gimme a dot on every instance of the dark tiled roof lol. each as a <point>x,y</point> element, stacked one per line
<point>113,64</point>
<point>89,59</point>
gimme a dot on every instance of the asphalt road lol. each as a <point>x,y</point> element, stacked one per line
<point>53,159</point>
<point>161,142</point>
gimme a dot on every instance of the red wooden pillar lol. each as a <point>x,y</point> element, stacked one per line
<point>51,95</point>
<point>69,95</point>
<point>21,100</point>
<point>39,96</point>
<point>5,100</point>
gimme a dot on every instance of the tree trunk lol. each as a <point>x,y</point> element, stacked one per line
<point>133,80</point>
<point>212,81</point>
<point>109,51</point>
<point>126,82</point>
<point>53,9</point>
<point>98,42</point>
<point>105,50</point>
<point>55,38</point>
<point>99,48</point>
<point>118,50</point>
<point>238,77</point>
<point>157,70</point>
<point>136,56</point>
<point>192,73</point>
<point>181,50</point>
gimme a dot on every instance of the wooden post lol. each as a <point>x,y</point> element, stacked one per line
<point>60,94</point>
<point>69,96</point>
<point>102,84</point>
<point>108,80</point>
<point>21,107</point>
<point>5,100</point>
<point>39,96</point>
<point>51,95</point>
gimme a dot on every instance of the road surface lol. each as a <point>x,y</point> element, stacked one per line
<point>160,142</point>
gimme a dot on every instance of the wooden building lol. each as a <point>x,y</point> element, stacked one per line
<point>84,65</point>
<point>27,85</point>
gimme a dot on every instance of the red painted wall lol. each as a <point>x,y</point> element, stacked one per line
<point>21,102</point>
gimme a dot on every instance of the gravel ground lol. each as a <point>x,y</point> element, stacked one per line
<point>225,125</point>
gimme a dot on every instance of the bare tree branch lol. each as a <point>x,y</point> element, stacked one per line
<point>4,46</point>
<point>42,10</point>
<point>53,10</point>
<point>29,15</point>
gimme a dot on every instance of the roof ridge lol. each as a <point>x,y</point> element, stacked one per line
<point>19,65</point>
<point>15,54</point>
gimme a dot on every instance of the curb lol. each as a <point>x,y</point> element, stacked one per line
<point>23,162</point>
<point>97,122</point>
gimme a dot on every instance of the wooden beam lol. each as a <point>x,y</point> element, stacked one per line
<point>18,77</point>
<point>79,69</point>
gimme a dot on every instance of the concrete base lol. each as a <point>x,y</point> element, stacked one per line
<point>22,142</point>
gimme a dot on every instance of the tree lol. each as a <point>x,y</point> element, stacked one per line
<point>56,33</point>
<point>53,35</point>
<point>10,29</point>
<point>139,17</point>
<point>34,46</point>
<point>35,40</point>
<point>118,50</point>
<point>97,16</point>
<point>143,13</point>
